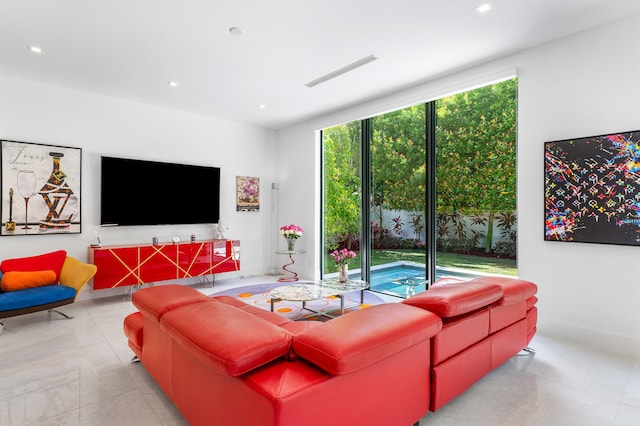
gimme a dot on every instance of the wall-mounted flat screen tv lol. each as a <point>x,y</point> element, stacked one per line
<point>139,192</point>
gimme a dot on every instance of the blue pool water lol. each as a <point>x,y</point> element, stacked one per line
<point>382,277</point>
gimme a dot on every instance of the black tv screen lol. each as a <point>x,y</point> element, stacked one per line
<point>138,192</point>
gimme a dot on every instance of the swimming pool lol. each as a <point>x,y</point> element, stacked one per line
<point>382,276</point>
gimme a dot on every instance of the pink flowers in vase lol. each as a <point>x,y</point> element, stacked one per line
<point>291,231</point>
<point>342,257</point>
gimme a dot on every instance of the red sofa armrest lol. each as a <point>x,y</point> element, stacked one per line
<point>513,289</point>
<point>451,300</point>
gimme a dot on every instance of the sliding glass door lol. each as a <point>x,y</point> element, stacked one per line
<point>424,192</point>
<point>386,227</point>
<point>397,201</point>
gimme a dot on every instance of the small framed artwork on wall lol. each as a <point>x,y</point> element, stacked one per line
<point>592,189</point>
<point>247,194</point>
<point>40,188</point>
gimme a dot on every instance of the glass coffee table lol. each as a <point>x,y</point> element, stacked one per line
<point>305,291</point>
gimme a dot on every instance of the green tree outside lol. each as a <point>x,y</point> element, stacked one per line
<point>475,152</point>
<point>398,161</point>
<point>341,184</point>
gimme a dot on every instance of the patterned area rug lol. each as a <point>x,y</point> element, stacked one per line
<point>258,295</point>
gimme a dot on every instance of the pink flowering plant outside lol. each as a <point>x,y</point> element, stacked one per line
<point>341,257</point>
<point>291,231</point>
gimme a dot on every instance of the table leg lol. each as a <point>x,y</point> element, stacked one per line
<point>291,278</point>
<point>274,301</point>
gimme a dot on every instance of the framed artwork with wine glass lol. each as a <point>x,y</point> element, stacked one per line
<point>40,189</point>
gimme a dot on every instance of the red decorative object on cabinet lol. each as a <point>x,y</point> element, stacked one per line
<point>120,266</point>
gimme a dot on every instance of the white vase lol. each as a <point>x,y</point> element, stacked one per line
<point>291,244</point>
<point>343,273</point>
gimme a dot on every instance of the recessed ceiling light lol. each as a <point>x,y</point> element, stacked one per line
<point>484,8</point>
<point>262,106</point>
<point>236,31</point>
<point>34,49</point>
<point>173,84</point>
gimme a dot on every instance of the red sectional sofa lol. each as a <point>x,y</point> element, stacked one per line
<point>225,362</point>
<point>486,321</point>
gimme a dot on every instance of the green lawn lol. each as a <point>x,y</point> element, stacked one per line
<point>485,265</point>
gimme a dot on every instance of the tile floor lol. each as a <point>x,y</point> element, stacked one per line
<point>78,372</point>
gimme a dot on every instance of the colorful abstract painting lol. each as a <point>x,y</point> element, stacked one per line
<point>592,189</point>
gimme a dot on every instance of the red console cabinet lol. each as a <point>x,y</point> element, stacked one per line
<point>120,266</point>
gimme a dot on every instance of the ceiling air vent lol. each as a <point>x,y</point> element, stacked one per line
<point>340,71</point>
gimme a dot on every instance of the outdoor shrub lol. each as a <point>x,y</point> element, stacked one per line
<point>454,245</point>
<point>407,243</point>
<point>387,241</point>
<point>352,242</point>
<point>476,237</point>
<point>397,225</point>
<point>505,249</point>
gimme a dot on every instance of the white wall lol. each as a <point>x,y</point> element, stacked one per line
<point>586,84</point>
<point>581,86</point>
<point>38,113</point>
<point>298,170</point>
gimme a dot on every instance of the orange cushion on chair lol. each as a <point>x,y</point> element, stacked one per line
<point>18,280</point>
<point>48,261</point>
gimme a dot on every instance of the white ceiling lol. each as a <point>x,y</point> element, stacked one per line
<point>132,48</point>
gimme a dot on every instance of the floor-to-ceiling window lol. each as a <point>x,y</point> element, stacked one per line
<point>476,181</point>
<point>466,208</point>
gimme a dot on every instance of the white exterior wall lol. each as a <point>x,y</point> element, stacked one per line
<point>406,218</point>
